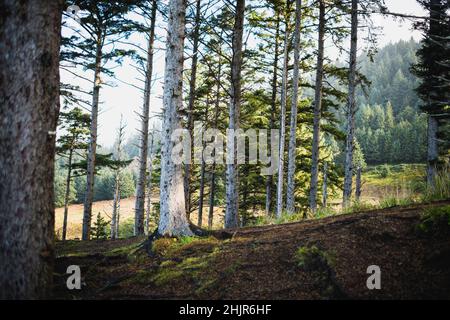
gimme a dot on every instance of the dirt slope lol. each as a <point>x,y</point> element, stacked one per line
<point>261,263</point>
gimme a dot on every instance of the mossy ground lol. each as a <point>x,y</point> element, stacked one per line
<point>263,262</point>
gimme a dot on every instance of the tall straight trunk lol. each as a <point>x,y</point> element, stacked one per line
<point>317,110</point>
<point>325,185</point>
<point>290,196</point>
<point>279,210</point>
<point>116,206</point>
<point>173,220</point>
<point>351,108</point>
<point>202,177</point>
<point>148,210</point>
<point>117,186</point>
<point>232,183</point>
<point>143,152</point>
<point>432,150</point>
<point>192,96</point>
<point>29,106</point>
<point>67,194</point>
<point>358,184</point>
<point>90,176</point>
<point>212,189</point>
<point>269,181</point>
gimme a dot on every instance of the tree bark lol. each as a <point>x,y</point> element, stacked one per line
<point>325,185</point>
<point>232,184</point>
<point>317,110</point>
<point>192,96</point>
<point>351,108</point>
<point>279,210</point>
<point>148,210</point>
<point>432,150</point>
<point>143,152</point>
<point>269,181</point>
<point>29,106</point>
<point>202,176</point>
<point>212,190</point>
<point>90,176</point>
<point>358,184</point>
<point>290,196</point>
<point>67,194</point>
<point>173,220</point>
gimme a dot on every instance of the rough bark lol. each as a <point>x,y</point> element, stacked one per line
<point>317,110</point>
<point>269,181</point>
<point>290,196</point>
<point>358,184</point>
<point>173,220</point>
<point>232,183</point>
<point>117,186</point>
<point>202,177</point>
<point>192,96</point>
<point>432,150</point>
<point>90,176</point>
<point>148,210</point>
<point>212,189</point>
<point>279,210</point>
<point>29,106</point>
<point>351,107</point>
<point>67,194</point>
<point>325,185</point>
<point>143,148</point>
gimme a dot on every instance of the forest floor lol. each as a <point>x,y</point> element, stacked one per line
<point>314,259</point>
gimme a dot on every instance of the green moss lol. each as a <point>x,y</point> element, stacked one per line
<point>312,258</point>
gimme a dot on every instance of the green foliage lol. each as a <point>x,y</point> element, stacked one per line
<point>441,188</point>
<point>313,259</point>
<point>384,171</point>
<point>99,231</point>
<point>435,221</point>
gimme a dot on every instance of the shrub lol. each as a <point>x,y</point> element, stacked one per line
<point>435,221</point>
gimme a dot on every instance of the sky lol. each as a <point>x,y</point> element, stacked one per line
<point>125,100</point>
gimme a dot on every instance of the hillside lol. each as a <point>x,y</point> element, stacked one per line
<point>317,259</point>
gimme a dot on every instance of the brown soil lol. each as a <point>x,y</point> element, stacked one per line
<point>260,262</point>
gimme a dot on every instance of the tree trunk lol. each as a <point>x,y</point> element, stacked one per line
<point>212,189</point>
<point>143,152</point>
<point>358,184</point>
<point>148,210</point>
<point>351,108</point>
<point>290,197</point>
<point>192,96</point>
<point>202,177</point>
<point>67,194</point>
<point>232,184</point>
<point>173,220</point>
<point>317,110</point>
<point>269,181</point>
<point>90,176</point>
<point>283,121</point>
<point>116,207</point>
<point>29,106</point>
<point>433,153</point>
<point>325,185</point>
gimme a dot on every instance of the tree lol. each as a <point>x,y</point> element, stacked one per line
<point>433,68</point>
<point>290,196</point>
<point>351,107</point>
<point>76,123</point>
<point>232,184</point>
<point>173,220</point>
<point>92,46</point>
<point>284,88</point>
<point>317,108</point>
<point>145,116</point>
<point>29,106</point>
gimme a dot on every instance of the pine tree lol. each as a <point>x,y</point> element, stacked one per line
<point>29,106</point>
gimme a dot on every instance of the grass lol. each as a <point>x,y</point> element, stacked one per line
<point>435,221</point>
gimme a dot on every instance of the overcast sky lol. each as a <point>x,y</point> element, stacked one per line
<point>127,100</point>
